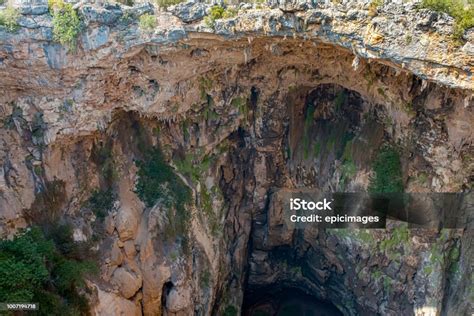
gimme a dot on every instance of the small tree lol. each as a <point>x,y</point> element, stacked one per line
<point>66,23</point>
<point>147,22</point>
<point>9,18</point>
<point>462,13</point>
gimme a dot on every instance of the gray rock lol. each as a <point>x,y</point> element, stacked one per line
<point>294,5</point>
<point>245,6</point>
<point>27,22</point>
<point>318,17</point>
<point>107,15</point>
<point>31,7</point>
<point>136,11</point>
<point>34,9</point>
<point>55,55</point>
<point>95,37</point>
<point>468,48</point>
<point>189,11</point>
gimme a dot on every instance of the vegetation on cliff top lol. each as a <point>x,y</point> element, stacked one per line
<point>147,22</point>
<point>166,3</point>
<point>9,17</point>
<point>463,14</point>
<point>66,23</point>
<point>218,12</point>
<point>45,267</point>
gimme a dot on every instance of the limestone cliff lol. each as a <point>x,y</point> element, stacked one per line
<point>224,111</point>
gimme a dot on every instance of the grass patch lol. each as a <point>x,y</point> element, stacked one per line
<point>206,205</point>
<point>167,3</point>
<point>308,123</point>
<point>217,12</point>
<point>205,84</point>
<point>193,166</point>
<point>66,23</point>
<point>399,236</point>
<point>9,18</point>
<point>387,172</point>
<point>348,168</point>
<point>374,6</point>
<point>463,14</point>
<point>185,130</point>
<point>205,279</point>
<point>147,22</point>
<point>241,104</point>
<point>35,267</point>
<point>408,109</point>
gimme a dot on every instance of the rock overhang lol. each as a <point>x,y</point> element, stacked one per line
<point>414,40</point>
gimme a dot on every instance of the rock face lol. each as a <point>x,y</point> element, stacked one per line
<point>228,109</point>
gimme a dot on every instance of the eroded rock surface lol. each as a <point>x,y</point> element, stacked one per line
<point>228,108</point>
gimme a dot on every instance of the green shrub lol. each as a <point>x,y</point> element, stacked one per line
<point>193,166</point>
<point>463,15</point>
<point>230,310</point>
<point>157,182</point>
<point>215,14</point>
<point>33,269</point>
<point>387,172</point>
<point>147,22</point>
<point>9,17</point>
<point>101,202</point>
<point>229,13</point>
<point>66,23</point>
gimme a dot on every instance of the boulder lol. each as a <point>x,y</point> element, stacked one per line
<point>110,304</point>
<point>127,282</point>
<point>126,223</point>
<point>189,11</point>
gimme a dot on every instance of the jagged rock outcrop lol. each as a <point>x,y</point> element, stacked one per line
<point>228,108</point>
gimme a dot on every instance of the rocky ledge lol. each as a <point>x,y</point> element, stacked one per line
<point>417,40</point>
<point>274,97</point>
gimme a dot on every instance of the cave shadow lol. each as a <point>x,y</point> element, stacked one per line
<point>278,300</point>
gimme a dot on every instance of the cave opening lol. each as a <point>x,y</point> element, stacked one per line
<point>332,133</point>
<point>280,300</point>
<point>165,292</point>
